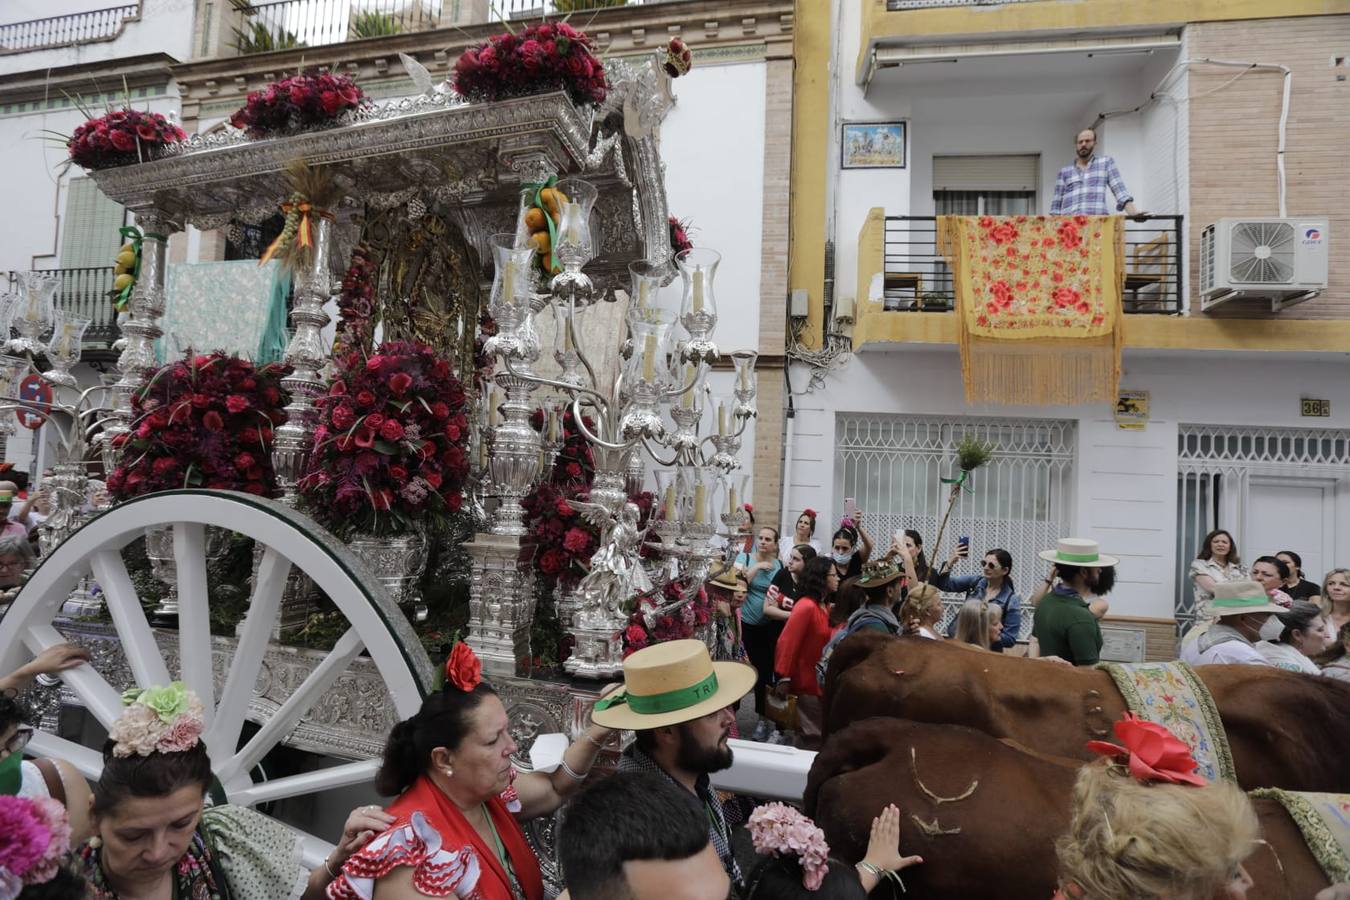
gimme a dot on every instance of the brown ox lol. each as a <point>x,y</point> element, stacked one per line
<point>1007,825</point>
<point>1285,730</point>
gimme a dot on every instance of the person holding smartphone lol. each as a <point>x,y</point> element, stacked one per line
<point>993,585</point>
<point>761,622</point>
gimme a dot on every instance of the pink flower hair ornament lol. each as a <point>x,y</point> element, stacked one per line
<point>164,719</point>
<point>779,830</point>
<point>37,838</point>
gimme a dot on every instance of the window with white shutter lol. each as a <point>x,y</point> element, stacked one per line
<point>89,237</point>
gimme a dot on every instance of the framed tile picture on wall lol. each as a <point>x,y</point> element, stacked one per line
<point>873,145</point>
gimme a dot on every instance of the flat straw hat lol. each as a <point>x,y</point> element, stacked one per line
<point>876,573</point>
<point>1078,552</point>
<point>726,577</point>
<point>666,684</point>
<point>1237,598</point>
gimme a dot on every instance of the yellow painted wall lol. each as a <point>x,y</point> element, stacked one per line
<point>879,24</point>
<point>812,46</point>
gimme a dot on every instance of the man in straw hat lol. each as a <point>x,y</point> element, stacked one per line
<point>1241,608</point>
<point>1064,625</point>
<point>678,701</point>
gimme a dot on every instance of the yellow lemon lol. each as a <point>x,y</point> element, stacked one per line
<point>123,281</point>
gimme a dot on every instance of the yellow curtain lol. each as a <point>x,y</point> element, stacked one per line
<point>1038,302</point>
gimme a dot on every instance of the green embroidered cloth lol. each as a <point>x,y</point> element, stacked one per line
<point>217,306</point>
<point>1172,695</point>
<point>1324,820</point>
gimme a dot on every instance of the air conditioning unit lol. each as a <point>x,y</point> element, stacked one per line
<point>1284,259</point>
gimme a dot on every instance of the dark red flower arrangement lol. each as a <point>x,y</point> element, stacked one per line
<point>679,236</point>
<point>121,137</point>
<point>301,101</point>
<point>203,421</point>
<point>564,541</point>
<point>356,301</point>
<point>389,451</point>
<point>675,626</point>
<point>549,56</point>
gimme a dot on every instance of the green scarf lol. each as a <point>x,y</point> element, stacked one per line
<point>10,776</point>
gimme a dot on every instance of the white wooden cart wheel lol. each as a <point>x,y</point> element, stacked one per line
<point>291,539</point>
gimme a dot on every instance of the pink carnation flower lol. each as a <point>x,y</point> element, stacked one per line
<point>183,734</point>
<point>136,732</point>
<point>780,830</point>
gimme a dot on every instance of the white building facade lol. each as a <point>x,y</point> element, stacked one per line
<point>991,100</point>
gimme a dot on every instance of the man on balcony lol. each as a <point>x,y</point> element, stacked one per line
<point>1080,189</point>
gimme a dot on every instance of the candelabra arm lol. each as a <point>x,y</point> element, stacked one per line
<point>576,344</point>
<point>586,432</point>
<point>646,443</point>
<point>672,394</point>
<point>549,382</point>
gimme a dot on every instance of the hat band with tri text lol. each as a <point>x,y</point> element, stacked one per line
<point>666,701</point>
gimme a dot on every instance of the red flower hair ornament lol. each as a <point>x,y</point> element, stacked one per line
<point>462,668</point>
<point>1151,753</point>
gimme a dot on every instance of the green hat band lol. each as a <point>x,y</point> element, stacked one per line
<point>1240,602</point>
<point>668,701</point>
<point>1076,557</point>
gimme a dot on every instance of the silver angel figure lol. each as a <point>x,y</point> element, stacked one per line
<point>616,571</point>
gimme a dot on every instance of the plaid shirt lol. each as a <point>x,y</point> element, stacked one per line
<point>1082,192</point>
<point>719,832</point>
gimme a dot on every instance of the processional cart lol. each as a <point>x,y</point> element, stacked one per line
<point>483,227</point>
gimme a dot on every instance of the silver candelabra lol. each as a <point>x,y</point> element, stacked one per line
<point>655,408</point>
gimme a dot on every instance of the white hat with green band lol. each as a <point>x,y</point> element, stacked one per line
<point>1078,552</point>
<point>666,684</point>
<point>1238,598</point>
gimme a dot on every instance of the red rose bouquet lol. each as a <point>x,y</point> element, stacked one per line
<point>121,137</point>
<point>203,421</point>
<point>301,101</point>
<point>389,451</point>
<point>679,236</point>
<point>550,56</point>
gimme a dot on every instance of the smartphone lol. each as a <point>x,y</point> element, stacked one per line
<point>851,508</point>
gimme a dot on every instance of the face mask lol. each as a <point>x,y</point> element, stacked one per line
<point>842,558</point>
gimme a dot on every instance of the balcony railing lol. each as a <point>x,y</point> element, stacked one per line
<point>288,24</point>
<point>527,9</point>
<point>84,292</point>
<point>61,31</point>
<point>894,5</point>
<point>918,279</point>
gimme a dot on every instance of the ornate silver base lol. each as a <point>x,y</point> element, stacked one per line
<point>397,562</point>
<point>501,602</point>
<point>82,604</point>
<point>597,655</point>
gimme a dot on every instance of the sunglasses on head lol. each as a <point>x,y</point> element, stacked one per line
<point>19,739</point>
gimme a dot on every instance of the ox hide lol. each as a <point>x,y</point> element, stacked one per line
<point>998,840</point>
<point>1285,729</point>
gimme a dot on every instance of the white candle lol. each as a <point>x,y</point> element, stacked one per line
<point>699,513</point>
<point>552,424</point>
<point>649,359</point>
<point>492,409</point>
<point>644,292</point>
<point>567,336</point>
<point>731,500</point>
<point>687,399</point>
<point>571,212</point>
<point>670,502</point>
<point>509,280</point>
<point>698,290</point>
<point>745,377</point>
<point>722,419</point>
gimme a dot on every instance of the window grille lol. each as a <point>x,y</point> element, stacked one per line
<point>1214,466</point>
<point>1022,501</point>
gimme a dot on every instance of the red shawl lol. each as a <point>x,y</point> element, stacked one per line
<point>458,837</point>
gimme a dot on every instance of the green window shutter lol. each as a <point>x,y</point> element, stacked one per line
<point>89,237</point>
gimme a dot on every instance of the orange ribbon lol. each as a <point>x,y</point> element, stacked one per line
<point>303,235</point>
